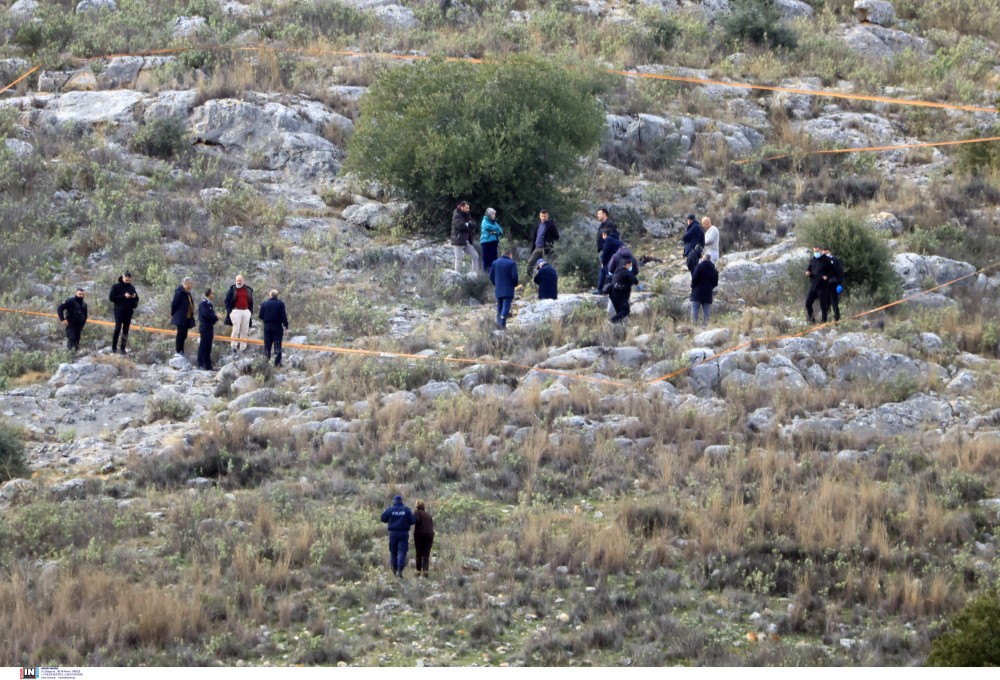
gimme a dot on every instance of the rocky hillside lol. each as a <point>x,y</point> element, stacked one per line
<point>811,497</point>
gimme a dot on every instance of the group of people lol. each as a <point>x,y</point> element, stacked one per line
<point>399,518</point>
<point>826,283</point>
<point>701,253</point>
<point>619,270</point>
<point>184,315</point>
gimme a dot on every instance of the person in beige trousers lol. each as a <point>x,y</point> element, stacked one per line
<point>239,312</point>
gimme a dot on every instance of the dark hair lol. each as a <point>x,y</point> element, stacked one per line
<point>543,211</point>
<point>80,290</point>
<point>127,275</point>
<point>208,291</point>
<point>461,203</point>
<point>605,211</point>
<point>509,253</point>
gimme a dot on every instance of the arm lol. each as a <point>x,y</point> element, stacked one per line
<point>61,310</point>
<point>175,304</point>
<point>250,299</point>
<point>284,317</point>
<point>116,295</point>
<point>230,300</point>
<point>385,516</point>
<point>409,516</point>
<point>515,275</point>
<point>85,312</point>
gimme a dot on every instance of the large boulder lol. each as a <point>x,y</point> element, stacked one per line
<point>877,12</point>
<point>396,17</point>
<point>114,107</point>
<point>96,5</point>
<point>84,374</point>
<point>918,270</point>
<point>793,9</point>
<point>186,28</point>
<point>547,312</point>
<point>375,215</point>
<point>22,12</point>
<point>880,43</point>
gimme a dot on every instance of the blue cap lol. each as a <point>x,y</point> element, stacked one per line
<point>398,499</point>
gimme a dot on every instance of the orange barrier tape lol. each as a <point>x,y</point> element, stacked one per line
<point>19,79</point>
<point>347,350</point>
<point>915,145</point>
<point>813,329</point>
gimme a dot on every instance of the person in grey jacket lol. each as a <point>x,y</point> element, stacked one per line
<point>462,239</point>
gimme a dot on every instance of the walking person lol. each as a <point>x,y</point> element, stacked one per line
<point>461,236</point>
<point>620,291</point>
<point>619,258</point>
<point>605,227</point>
<point>712,238</point>
<point>182,313</point>
<point>612,244</point>
<point>207,318</point>
<point>503,276</point>
<point>694,242</point>
<point>275,319</point>
<point>490,233</point>
<point>239,311</point>
<point>547,280</point>
<point>124,299</point>
<point>546,236</point>
<point>398,519</point>
<point>423,538</point>
<point>835,286</point>
<point>818,272</point>
<point>73,315</point>
<point>704,280</point>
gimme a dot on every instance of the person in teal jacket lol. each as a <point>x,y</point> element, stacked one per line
<point>489,238</point>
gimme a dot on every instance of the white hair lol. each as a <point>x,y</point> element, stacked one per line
<point>491,213</point>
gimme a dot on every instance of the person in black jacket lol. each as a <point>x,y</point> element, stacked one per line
<point>612,244</point>
<point>207,318</point>
<point>546,236</point>
<point>272,314</point>
<point>819,272</point>
<point>694,242</point>
<point>835,286</point>
<point>606,227</point>
<point>239,311</point>
<point>182,313</point>
<point>620,291</point>
<point>73,315</point>
<point>124,299</point>
<point>423,538</point>
<point>547,280</point>
<point>462,239</point>
<point>704,279</point>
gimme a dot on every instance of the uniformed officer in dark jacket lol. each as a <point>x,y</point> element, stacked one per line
<point>547,280</point>
<point>275,320</point>
<point>503,276</point>
<point>605,227</point>
<point>182,313</point>
<point>694,242</point>
<point>819,272</point>
<point>835,285</point>
<point>73,314</point>
<point>399,519</point>
<point>124,299</point>
<point>620,291</point>
<point>207,318</point>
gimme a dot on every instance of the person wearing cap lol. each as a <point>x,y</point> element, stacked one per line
<point>490,233</point>
<point>836,284</point>
<point>398,519</point>
<point>818,272</point>
<point>423,538</point>
<point>124,300</point>
<point>704,280</point>
<point>547,280</point>
<point>503,276</point>
<point>73,315</point>
<point>461,236</point>
<point>694,242</point>
<point>275,318</point>
<point>239,311</point>
<point>207,318</point>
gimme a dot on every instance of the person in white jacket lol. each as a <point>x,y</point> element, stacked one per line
<point>711,238</point>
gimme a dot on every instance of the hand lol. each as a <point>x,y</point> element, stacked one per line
<point>65,322</point>
<point>824,278</point>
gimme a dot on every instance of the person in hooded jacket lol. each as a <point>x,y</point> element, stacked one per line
<point>398,519</point>
<point>619,258</point>
<point>461,236</point>
<point>606,226</point>
<point>490,233</point>
<point>704,280</point>
<point>547,280</point>
<point>612,244</point>
<point>73,315</point>
<point>694,242</point>
<point>207,318</point>
<point>124,299</point>
<point>620,291</point>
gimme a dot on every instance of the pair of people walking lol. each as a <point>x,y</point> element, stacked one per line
<point>826,283</point>
<point>700,238</point>
<point>398,519</point>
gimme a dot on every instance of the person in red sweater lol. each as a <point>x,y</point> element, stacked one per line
<point>239,311</point>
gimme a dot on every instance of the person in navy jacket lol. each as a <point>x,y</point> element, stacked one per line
<point>207,318</point>
<point>272,313</point>
<point>547,280</point>
<point>182,313</point>
<point>503,276</point>
<point>398,519</point>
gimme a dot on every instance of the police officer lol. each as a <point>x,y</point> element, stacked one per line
<point>819,273</point>
<point>836,285</point>
<point>399,519</point>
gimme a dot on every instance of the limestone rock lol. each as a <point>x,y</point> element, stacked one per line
<point>547,312</point>
<point>114,107</point>
<point>793,9</point>
<point>396,17</point>
<point>435,389</point>
<point>499,392</point>
<point>917,270</point>
<point>171,104</point>
<point>262,397</point>
<point>21,12</point>
<point>872,41</point>
<point>254,413</point>
<point>84,374</point>
<point>91,5</point>
<point>879,12</point>
<point>401,398</point>
<point>886,223</point>
<point>185,27</point>
<point>715,337</point>
<point>18,147</point>
<point>375,215</point>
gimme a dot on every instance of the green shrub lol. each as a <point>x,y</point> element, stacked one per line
<point>11,454</point>
<point>865,255</point>
<point>576,260</point>
<point>982,157</point>
<point>507,134</point>
<point>972,637</point>
<point>758,22</point>
<point>160,138</point>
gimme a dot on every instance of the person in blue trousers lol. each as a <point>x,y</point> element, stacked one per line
<point>503,276</point>
<point>399,519</point>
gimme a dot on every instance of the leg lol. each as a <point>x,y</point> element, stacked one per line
<point>477,256</point>
<point>73,338</point>
<point>126,324</point>
<point>117,332</point>
<point>706,310</point>
<point>268,343</point>
<point>694,311</point>
<point>536,255</point>
<point>489,254</point>
<point>824,304</point>
<point>404,546</point>
<point>835,303</point>
<point>182,333</point>
<point>602,278</point>
<point>278,336</point>
<point>499,312</point>
<point>504,309</point>
<point>427,554</point>
<point>457,251</point>
<point>810,300</point>
<point>393,552</point>
<point>418,544</point>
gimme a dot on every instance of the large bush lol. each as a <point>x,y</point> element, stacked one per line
<point>11,454</point>
<point>866,257</point>
<point>972,637</point>
<point>160,138</point>
<point>759,22</point>
<point>507,134</point>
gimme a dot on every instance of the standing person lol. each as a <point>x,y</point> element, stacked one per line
<point>546,235</point>
<point>712,238</point>
<point>207,318</point>
<point>272,313</point>
<point>490,233</point>
<point>239,311</point>
<point>612,244</point>
<point>124,299</point>
<point>619,258</point>
<point>818,272</point>
<point>73,315</point>
<point>835,286</point>
<point>503,276</point>
<point>609,227</point>
<point>704,280</point>
<point>461,235</point>
<point>399,519</point>
<point>547,280</point>
<point>423,538</point>
<point>694,242</point>
<point>182,313</point>
<point>621,290</point>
